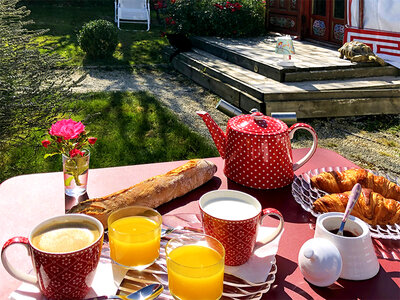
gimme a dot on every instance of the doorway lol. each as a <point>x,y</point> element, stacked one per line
<point>327,20</point>
<point>322,20</point>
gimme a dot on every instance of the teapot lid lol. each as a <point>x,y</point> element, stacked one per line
<point>257,124</point>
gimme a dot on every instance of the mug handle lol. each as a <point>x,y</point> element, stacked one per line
<point>274,212</point>
<point>310,153</point>
<point>9,268</point>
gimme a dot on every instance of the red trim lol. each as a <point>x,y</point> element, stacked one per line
<point>361,14</point>
<point>374,32</point>
<point>349,12</point>
<point>375,40</point>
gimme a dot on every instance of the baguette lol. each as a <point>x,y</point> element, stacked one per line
<point>151,192</point>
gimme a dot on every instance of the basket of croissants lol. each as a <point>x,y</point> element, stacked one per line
<point>328,190</point>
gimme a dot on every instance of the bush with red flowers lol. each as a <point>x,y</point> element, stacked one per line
<point>215,17</point>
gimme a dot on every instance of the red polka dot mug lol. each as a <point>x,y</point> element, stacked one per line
<point>257,149</point>
<point>234,218</point>
<point>65,251</point>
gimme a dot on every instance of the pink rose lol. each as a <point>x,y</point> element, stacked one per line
<point>68,129</point>
<point>46,143</point>
<point>74,152</point>
<point>92,140</point>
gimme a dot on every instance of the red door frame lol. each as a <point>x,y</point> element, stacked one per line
<point>302,19</point>
<point>326,28</point>
<point>282,16</point>
<point>320,25</point>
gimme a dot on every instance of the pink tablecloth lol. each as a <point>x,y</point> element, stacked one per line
<point>27,200</point>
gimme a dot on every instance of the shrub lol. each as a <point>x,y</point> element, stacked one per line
<point>216,17</point>
<point>98,39</point>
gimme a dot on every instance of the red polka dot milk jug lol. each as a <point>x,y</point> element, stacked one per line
<point>257,149</point>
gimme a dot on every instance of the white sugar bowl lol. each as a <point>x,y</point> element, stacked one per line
<point>358,253</point>
<point>320,262</point>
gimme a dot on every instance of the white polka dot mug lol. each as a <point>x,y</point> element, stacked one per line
<point>65,252</point>
<point>257,149</point>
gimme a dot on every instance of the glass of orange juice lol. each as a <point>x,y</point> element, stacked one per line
<point>195,265</point>
<point>134,234</point>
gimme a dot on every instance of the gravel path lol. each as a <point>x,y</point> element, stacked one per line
<point>374,150</point>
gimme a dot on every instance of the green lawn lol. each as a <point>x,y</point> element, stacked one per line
<point>132,128</point>
<point>137,46</point>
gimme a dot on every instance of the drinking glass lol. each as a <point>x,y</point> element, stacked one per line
<point>134,236</point>
<point>195,264</point>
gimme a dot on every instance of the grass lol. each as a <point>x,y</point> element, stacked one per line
<point>132,128</point>
<point>382,123</point>
<point>137,46</point>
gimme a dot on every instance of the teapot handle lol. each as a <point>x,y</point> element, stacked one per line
<point>310,153</point>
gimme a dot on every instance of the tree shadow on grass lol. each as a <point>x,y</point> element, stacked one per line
<point>132,128</point>
<point>103,62</point>
<point>143,131</point>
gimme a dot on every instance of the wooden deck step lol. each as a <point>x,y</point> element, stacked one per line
<point>246,89</point>
<point>311,62</point>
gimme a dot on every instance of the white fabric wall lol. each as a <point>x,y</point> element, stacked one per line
<point>380,14</point>
<point>354,15</point>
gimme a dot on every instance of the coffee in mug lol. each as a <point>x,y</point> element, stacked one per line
<point>233,218</point>
<point>65,251</point>
<point>65,237</point>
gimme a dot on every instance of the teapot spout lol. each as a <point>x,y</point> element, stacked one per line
<point>217,133</point>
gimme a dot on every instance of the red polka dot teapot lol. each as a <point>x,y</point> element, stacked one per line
<point>257,149</point>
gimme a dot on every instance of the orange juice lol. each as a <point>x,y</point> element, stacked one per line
<point>134,241</point>
<point>195,273</point>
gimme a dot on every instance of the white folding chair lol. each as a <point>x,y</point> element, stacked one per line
<point>132,11</point>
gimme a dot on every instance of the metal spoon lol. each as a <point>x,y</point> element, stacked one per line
<point>149,292</point>
<point>354,195</point>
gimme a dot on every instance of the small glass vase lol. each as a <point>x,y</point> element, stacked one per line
<point>76,171</point>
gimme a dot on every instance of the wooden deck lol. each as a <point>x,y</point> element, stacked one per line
<point>246,72</point>
<point>311,62</point>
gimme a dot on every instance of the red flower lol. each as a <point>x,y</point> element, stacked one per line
<point>46,143</point>
<point>159,5</point>
<point>168,20</point>
<point>59,139</point>
<point>74,152</point>
<point>173,1</point>
<point>218,6</point>
<point>237,6</point>
<point>92,140</point>
<point>68,129</point>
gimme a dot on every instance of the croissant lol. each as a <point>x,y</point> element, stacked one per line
<point>339,182</point>
<point>371,207</point>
